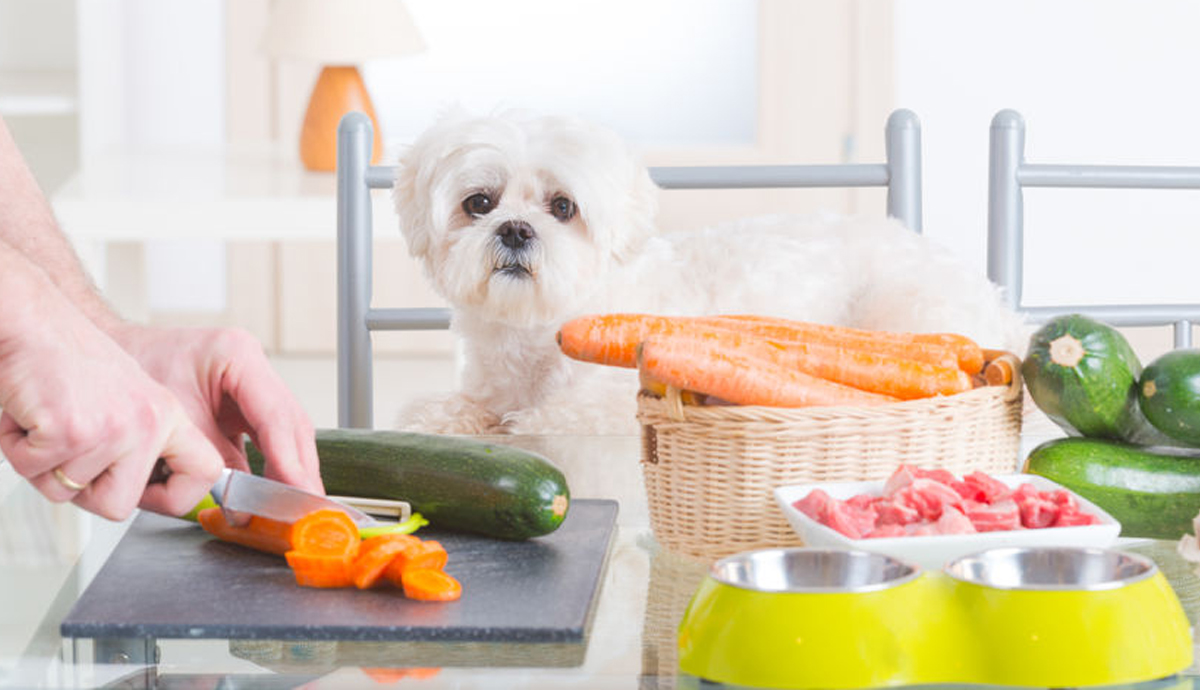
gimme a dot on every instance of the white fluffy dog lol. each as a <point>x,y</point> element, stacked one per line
<point>524,222</point>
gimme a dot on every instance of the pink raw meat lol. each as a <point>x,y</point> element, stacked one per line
<point>848,520</point>
<point>902,477</point>
<point>894,513</point>
<point>989,489</point>
<point>928,497</point>
<point>1004,515</point>
<point>1037,511</point>
<point>953,521</point>
<point>814,504</point>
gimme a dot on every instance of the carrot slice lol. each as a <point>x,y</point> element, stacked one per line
<point>430,584</point>
<point>326,532</point>
<point>392,675</point>
<point>707,367</point>
<point>375,555</point>
<point>424,554</point>
<point>260,533</point>
<point>321,569</point>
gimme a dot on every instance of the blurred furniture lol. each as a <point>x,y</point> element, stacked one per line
<point>901,174</point>
<point>339,35</point>
<point>1009,174</point>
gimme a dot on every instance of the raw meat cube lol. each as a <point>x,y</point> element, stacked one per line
<point>1037,512</point>
<point>928,497</point>
<point>814,504</point>
<point>851,522</point>
<point>902,477</point>
<point>938,475</point>
<point>992,517</point>
<point>953,521</point>
<point>895,513</point>
<point>990,488</point>
<point>1068,518</point>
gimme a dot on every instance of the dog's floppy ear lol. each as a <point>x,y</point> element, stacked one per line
<point>411,197</point>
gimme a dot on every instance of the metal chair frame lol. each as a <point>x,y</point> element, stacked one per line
<point>1009,174</point>
<point>356,177</point>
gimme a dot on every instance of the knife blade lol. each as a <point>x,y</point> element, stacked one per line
<point>247,493</point>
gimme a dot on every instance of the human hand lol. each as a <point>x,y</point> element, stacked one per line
<point>83,422</point>
<point>228,388</point>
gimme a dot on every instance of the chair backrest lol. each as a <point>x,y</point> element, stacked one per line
<point>1008,174</point>
<point>356,177</point>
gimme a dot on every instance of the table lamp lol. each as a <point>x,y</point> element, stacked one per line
<point>339,34</point>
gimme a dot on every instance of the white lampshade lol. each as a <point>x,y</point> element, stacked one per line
<point>340,32</point>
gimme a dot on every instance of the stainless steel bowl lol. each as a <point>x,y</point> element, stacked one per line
<point>1052,569</point>
<point>812,571</point>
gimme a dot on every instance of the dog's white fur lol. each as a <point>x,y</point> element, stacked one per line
<point>508,303</point>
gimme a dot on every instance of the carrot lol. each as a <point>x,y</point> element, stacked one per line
<point>713,368</point>
<point>321,570</point>
<point>612,338</point>
<point>325,532</point>
<point>425,554</point>
<point>998,370</point>
<point>905,379</point>
<point>967,354</point>
<point>430,584</point>
<point>260,533</point>
<point>393,675</point>
<point>375,555</point>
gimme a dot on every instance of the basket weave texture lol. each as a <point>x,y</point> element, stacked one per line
<point>710,471</point>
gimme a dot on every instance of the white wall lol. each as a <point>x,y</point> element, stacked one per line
<point>1098,82</point>
<point>667,72</point>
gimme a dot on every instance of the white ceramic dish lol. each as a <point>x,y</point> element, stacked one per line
<point>933,552</point>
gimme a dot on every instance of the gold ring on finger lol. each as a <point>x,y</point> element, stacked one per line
<point>67,481</point>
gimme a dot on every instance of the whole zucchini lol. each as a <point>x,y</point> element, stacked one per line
<point>1169,395</point>
<point>456,483</point>
<point>1152,492</point>
<point>1083,374</point>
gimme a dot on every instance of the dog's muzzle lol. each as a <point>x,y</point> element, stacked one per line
<point>515,234</point>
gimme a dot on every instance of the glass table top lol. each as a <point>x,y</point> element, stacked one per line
<point>49,553</point>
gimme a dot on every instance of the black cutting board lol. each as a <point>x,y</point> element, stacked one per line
<point>169,579</point>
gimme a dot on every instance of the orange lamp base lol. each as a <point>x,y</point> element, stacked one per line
<point>339,90</point>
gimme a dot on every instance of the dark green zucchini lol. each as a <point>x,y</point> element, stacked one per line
<point>456,483</point>
<point>1152,492</point>
<point>1083,374</point>
<point>1169,395</point>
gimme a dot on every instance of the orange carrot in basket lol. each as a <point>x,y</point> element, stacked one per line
<point>714,368</point>
<point>967,354</point>
<point>613,338</point>
<point>905,379</point>
<point>260,533</point>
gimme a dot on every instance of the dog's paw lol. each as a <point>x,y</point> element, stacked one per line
<point>457,414</point>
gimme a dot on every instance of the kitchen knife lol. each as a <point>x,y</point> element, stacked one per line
<point>247,493</point>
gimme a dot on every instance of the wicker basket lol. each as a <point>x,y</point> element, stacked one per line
<point>710,471</point>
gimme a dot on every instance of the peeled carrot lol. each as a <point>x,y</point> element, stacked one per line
<point>425,554</point>
<point>374,557</point>
<point>905,379</point>
<point>968,356</point>
<point>613,338</point>
<point>430,584</point>
<point>260,533</point>
<point>325,532</point>
<point>712,368</point>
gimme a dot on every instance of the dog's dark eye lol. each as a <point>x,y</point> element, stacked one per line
<point>478,204</point>
<point>562,208</point>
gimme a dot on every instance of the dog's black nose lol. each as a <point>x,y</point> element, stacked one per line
<point>515,234</point>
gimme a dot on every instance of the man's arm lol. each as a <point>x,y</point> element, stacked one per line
<point>28,226</point>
